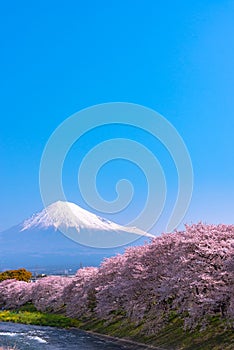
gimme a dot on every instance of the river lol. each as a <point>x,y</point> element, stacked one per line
<point>27,337</point>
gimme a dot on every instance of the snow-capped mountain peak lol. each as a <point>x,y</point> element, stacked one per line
<point>69,215</point>
<point>65,214</point>
<point>63,234</point>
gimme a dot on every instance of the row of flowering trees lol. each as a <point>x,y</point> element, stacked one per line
<point>189,272</point>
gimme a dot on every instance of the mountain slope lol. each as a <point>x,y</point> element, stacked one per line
<point>39,242</point>
<point>66,214</point>
<point>82,226</point>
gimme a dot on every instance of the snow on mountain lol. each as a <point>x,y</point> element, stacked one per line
<point>63,234</point>
<point>69,215</point>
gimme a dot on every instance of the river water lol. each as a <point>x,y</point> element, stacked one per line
<point>27,337</point>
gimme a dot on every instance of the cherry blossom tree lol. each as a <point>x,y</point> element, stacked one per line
<point>14,294</point>
<point>79,296</point>
<point>47,293</point>
<point>189,273</point>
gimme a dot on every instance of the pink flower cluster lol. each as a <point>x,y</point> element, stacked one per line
<point>190,273</point>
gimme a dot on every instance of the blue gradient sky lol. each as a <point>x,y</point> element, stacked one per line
<point>58,57</point>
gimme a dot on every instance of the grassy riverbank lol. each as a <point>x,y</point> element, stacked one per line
<point>216,336</point>
<point>29,315</point>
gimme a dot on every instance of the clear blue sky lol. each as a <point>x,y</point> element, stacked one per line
<point>176,57</point>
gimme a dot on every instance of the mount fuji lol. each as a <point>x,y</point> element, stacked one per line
<point>64,235</point>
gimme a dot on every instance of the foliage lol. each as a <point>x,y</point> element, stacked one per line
<point>20,275</point>
<point>81,288</point>
<point>38,318</point>
<point>14,293</point>
<point>187,273</point>
<point>47,293</point>
<point>216,336</point>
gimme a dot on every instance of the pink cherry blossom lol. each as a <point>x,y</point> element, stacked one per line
<point>188,272</point>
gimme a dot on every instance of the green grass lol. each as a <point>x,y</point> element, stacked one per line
<point>217,335</point>
<point>29,315</point>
